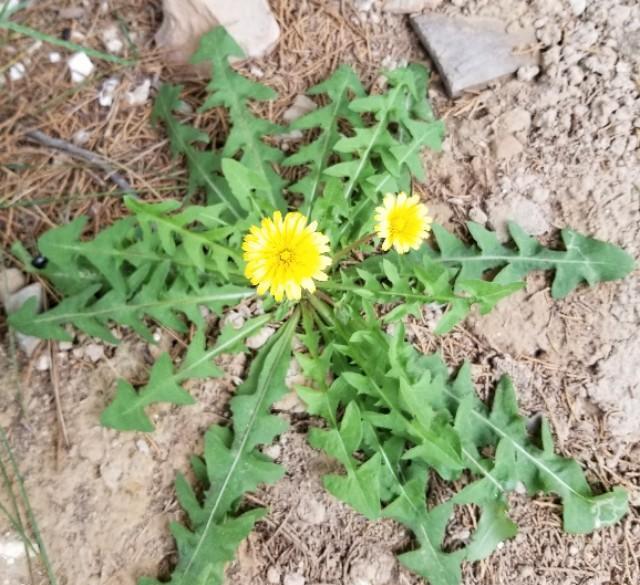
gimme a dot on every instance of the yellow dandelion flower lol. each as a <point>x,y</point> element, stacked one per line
<point>402,222</point>
<point>285,255</point>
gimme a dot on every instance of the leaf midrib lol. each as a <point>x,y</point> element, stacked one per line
<point>188,300</point>
<point>265,383</point>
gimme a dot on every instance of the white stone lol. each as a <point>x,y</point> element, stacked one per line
<point>528,72</point>
<point>43,363</point>
<point>111,39</point>
<point>107,92</point>
<point>142,446</point>
<point>80,67</point>
<point>259,339</point>
<point>363,5</point>
<point>11,280</point>
<point>94,352</point>
<point>15,300</point>
<point>301,105</point>
<point>17,72</point>
<point>55,57</point>
<point>476,214</point>
<point>312,511</point>
<point>578,6</point>
<point>294,579</point>
<point>250,22</point>
<point>272,451</point>
<point>139,95</point>
<point>233,318</point>
<point>273,576</point>
<point>80,137</point>
<point>27,343</point>
<point>409,6</point>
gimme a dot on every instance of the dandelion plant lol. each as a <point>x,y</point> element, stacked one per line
<point>331,258</point>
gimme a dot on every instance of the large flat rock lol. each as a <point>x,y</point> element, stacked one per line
<point>471,52</point>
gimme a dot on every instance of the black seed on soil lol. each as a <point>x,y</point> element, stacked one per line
<point>65,35</point>
<point>39,262</point>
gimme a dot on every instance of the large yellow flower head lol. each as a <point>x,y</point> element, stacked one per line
<point>285,255</point>
<point>402,222</point>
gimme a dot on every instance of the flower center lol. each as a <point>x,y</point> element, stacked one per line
<point>285,256</point>
<point>398,225</point>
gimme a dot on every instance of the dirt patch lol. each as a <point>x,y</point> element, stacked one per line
<point>558,150</point>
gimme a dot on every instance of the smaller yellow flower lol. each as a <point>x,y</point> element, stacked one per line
<point>284,256</point>
<point>402,222</point>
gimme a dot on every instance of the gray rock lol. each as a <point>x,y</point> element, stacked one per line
<point>11,280</point>
<point>528,72</point>
<point>294,579</point>
<point>476,214</point>
<point>94,352</point>
<point>259,339</point>
<point>578,6</point>
<point>301,105</point>
<point>471,52</point>
<point>17,299</point>
<point>409,6</point>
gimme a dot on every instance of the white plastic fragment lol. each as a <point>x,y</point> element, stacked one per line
<point>80,67</point>
<point>17,72</point>
<point>139,95</point>
<point>107,92</point>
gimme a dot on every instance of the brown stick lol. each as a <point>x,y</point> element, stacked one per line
<point>81,153</point>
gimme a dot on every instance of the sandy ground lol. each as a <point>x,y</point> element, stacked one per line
<point>558,150</point>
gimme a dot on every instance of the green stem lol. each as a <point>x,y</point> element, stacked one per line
<point>36,34</point>
<point>30,515</point>
<point>348,249</point>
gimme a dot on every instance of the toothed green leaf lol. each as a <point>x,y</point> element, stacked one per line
<point>234,466</point>
<point>127,411</point>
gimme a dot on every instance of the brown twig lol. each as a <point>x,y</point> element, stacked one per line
<point>83,154</point>
<point>55,383</point>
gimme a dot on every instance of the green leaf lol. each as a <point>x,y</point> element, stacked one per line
<point>127,411</point>
<point>583,260</point>
<point>543,470</point>
<point>153,300</point>
<point>230,89</point>
<point>494,528</point>
<point>203,165</point>
<point>234,467</point>
<point>428,560</point>
<point>342,83</point>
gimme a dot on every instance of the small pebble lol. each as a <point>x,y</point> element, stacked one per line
<point>259,339</point>
<point>528,72</point>
<point>139,95</point>
<point>273,576</point>
<point>476,214</point>
<point>94,352</point>
<point>80,67</point>
<point>294,579</point>
<point>44,362</point>
<point>17,72</point>
<point>107,92</point>
<point>55,57</point>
